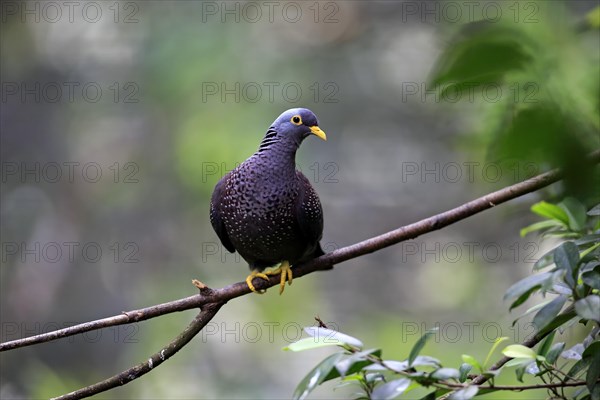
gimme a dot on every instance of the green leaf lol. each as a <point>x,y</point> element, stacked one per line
<point>576,212</point>
<point>329,335</point>
<point>591,278</point>
<point>589,307</point>
<point>524,297</point>
<point>579,366</point>
<point>518,362</point>
<point>391,390</point>
<point>519,351</point>
<point>445,373</point>
<point>542,133</point>
<point>591,265</point>
<point>551,211</point>
<point>559,320</point>
<point>392,365</point>
<point>593,373</point>
<point>591,250</point>
<point>548,312</point>
<point>544,261</point>
<point>481,53</point>
<point>566,256</point>
<point>592,238</point>
<point>464,394</point>
<point>472,361</point>
<point>554,352</point>
<point>562,235</point>
<point>594,393</point>
<point>352,364</point>
<point>530,310</point>
<point>539,226</point>
<point>494,346</point>
<point>526,286</point>
<point>419,345</point>
<point>316,376</point>
<point>591,350</point>
<point>546,343</point>
<point>519,372</point>
<point>374,378</point>
<point>425,361</point>
<point>430,396</point>
<point>492,373</point>
<point>596,209</point>
<point>312,343</point>
<point>464,370</point>
<point>420,361</point>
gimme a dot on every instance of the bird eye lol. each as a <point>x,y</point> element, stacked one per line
<point>296,120</point>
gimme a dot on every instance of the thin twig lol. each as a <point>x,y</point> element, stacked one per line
<point>530,387</point>
<point>207,313</point>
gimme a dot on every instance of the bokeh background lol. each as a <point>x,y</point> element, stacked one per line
<point>118,118</point>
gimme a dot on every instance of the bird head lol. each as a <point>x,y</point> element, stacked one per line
<point>297,124</point>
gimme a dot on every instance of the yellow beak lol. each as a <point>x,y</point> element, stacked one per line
<point>318,132</point>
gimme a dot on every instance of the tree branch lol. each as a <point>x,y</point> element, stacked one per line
<point>324,262</point>
<point>210,300</point>
<point>207,313</point>
<point>531,387</point>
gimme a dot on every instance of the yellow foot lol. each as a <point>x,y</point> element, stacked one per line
<point>286,275</point>
<point>256,274</point>
<point>285,269</point>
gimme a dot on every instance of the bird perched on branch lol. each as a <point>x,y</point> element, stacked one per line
<point>265,209</point>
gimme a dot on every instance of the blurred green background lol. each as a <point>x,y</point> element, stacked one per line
<point>118,118</point>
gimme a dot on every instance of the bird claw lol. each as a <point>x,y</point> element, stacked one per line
<point>285,269</point>
<point>286,275</point>
<point>256,274</point>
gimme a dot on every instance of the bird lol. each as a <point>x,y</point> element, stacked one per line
<point>267,210</point>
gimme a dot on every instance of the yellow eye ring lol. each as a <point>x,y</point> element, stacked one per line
<point>296,120</point>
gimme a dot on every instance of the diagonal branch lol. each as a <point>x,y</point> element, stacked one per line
<point>324,262</point>
<point>210,301</point>
<point>199,322</point>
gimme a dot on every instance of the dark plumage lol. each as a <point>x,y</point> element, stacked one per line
<point>265,209</point>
